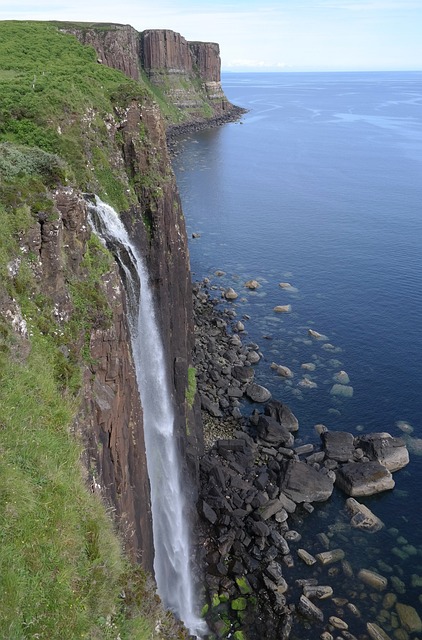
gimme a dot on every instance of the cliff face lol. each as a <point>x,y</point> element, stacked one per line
<point>185,75</point>
<point>94,129</point>
<point>188,73</point>
<point>117,46</point>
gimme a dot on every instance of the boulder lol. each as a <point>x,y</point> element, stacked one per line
<point>344,390</point>
<point>270,508</point>
<point>318,591</point>
<point>306,557</point>
<point>282,370</point>
<point>391,452</point>
<point>257,393</point>
<point>364,478</point>
<point>243,374</point>
<point>409,618</point>
<point>211,407</point>
<point>373,579</point>
<point>303,483</point>
<point>316,335</point>
<point>252,284</point>
<point>282,413</point>
<point>329,557</point>
<point>375,632</point>
<point>283,308</point>
<point>338,445</point>
<point>341,377</point>
<point>272,431</point>
<point>230,294</point>
<point>362,517</point>
<point>309,610</point>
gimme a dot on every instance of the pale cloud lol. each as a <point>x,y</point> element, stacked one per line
<point>372,5</point>
<point>249,63</point>
<point>296,34</point>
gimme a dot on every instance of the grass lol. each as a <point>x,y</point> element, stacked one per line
<point>57,98</point>
<point>191,388</point>
<point>63,574</point>
<point>60,561</point>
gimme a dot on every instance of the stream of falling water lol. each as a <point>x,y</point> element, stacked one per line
<point>169,517</point>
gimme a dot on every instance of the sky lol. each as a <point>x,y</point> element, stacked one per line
<point>264,35</point>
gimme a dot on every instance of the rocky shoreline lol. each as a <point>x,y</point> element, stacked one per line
<point>175,131</point>
<point>258,486</point>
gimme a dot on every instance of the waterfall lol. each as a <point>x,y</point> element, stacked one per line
<point>169,517</point>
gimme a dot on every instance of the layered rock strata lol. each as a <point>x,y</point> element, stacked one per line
<point>188,73</point>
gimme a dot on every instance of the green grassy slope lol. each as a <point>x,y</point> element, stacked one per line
<point>63,574</point>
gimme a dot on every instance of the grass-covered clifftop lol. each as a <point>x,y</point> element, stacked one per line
<point>63,572</point>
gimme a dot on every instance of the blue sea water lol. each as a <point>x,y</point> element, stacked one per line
<point>320,186</point>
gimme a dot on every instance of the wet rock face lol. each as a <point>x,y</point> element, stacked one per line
<point>109,419</point>
<point>109,422</point>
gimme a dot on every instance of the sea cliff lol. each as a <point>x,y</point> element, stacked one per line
<point>85,109</point>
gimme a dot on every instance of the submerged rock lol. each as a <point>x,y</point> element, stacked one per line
<point>252,284</point>
<point>230,294</point>
<point>341,377</point>
<point>376,632</point>
<point>362,517</point>
<point>409,618</point>
<point>282,370</point>
<point>343,390</point>
<point>373,579</point>
<point>283,308</point>
<point>316,335</point>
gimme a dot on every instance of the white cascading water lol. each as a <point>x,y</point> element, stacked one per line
<point>169,518</point>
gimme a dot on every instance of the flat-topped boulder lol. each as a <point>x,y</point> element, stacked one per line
<point>338,445</point>
<point>390,452</point>
<point>302,483</point>
<point>272,431</point>
<point>364,478</point>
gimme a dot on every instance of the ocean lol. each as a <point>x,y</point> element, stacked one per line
<point>319,186</point>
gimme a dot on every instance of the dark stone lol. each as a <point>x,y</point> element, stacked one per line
<point>208,512</point>
<point>259,528</point>
<point>282,413</point>
<point>245,375</point>
<point>280,542</point>
<point>303,483</point>
<point>274,571</point>
<point>211,407</point>
<point>261,480</point>
<point>257,393</point>
<point>273,432</point>
<point>390,452</point>
<point>269,509</point>
<point>364,478</point>
<point>338,445</point>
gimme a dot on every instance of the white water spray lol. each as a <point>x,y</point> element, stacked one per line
<point>169,518</point>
